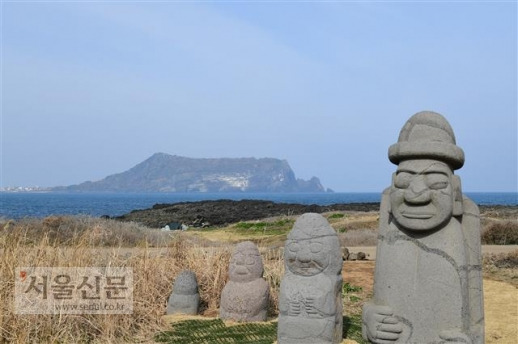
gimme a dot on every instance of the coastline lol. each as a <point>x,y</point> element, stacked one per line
<point>128,206</point>
<point>223,212</point>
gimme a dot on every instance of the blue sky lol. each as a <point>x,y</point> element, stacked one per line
<point>93,88</point>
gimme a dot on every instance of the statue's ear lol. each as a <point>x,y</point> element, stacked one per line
<point>458,208</point>
<point>387,191</point>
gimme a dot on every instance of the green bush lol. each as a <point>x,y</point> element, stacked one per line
<point>282,224</point>
<point>336,216</point>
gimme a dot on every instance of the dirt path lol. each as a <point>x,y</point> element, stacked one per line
<point>493,249</point>
<point>501,311</point>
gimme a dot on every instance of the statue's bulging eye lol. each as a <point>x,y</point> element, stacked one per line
<point>437,181</point>
<point>315,247</point>
<point>438,186</point>
<point>402,180</point>
<point>294,247</point>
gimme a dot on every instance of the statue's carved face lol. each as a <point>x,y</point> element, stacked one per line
<point>307,257</point>
<point>422,195</point>
<point>245,266</point>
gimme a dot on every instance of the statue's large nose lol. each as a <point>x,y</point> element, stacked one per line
<point>304,255</point>
<point>417,192</point>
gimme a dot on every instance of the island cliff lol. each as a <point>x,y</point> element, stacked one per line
<point>170,173</point>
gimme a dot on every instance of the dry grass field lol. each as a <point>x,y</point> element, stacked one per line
<point>157,257</point>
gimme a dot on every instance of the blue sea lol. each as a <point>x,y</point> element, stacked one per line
<point>40,204</point>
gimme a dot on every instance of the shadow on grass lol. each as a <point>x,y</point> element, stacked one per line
<point>215,331</point>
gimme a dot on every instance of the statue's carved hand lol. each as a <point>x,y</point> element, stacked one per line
<point>454,337</point>
<point>294,308</point>
<point>379,324</point>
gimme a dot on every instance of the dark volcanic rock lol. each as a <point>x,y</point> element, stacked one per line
<point>221,212</point>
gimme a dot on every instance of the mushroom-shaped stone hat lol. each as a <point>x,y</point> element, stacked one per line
<point>427,135</point>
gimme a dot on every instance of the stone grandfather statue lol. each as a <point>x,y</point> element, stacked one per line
<point>310,300</point>
<point>428,280</point>
<point>185,298</point>
<point>245,296</point>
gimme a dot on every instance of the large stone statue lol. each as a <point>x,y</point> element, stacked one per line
<point>310,301</point>
<point>185,298</point>
<point>428,281</point>
<point>245,296</point>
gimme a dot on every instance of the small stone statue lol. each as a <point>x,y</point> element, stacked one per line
<point>427,281</point>
<point>185,298</point>
<point>310,301</point>
<point>245,296</point>
<point>345,253</point>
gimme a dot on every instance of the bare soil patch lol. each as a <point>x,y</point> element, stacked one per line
<point>359,273</point>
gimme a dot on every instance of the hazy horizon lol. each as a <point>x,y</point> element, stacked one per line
<point>91,89</point>
<point>325,186</point>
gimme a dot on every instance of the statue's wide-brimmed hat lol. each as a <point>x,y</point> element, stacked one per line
<point>427,135</point>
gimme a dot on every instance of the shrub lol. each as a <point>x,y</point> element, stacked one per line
<point>502,260</point>
<point>501,233</point>
<point>84,230</point>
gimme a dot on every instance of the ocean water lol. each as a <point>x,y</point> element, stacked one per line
<point>19,205</point>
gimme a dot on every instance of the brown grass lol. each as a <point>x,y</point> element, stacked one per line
<point>353,221</point>
<point>355,228</point>
<point>156,258</point>
<point>83,230</point>
<point>50,243</point>
<point>43,245</point>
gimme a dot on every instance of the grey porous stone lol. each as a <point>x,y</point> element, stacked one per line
<point>345,253</point>
<point>357,256</point>
<point>185,298</point>
<point>427,281</point>
<point>310,300</point>
<point>245,296</point>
